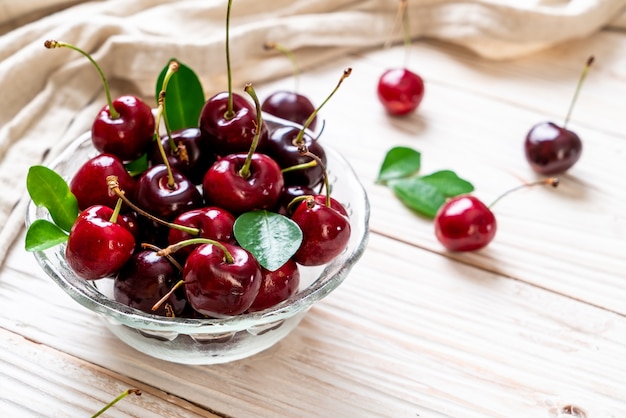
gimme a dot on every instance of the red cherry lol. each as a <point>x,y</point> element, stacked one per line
<point>400,91</point>
<point>226,187</point>
<point>212,222</point>
<point>217,286</point>
<point>127,136</point>
<point>277,286</point>
<point>89,184</point>
<point>325,229</point>
<point>551,149</point>
<point>464,223</point>
<point>290,106</point>
<point>97,247</point>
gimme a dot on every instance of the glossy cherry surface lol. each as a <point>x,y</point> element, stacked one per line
<point>89,183</point>
<point>325,230</point>
<point>400,91</point>
<point>224,185</point>
<point>96,247</point>
<point>464,223</point>
<point>213,223</point>
<point>551,149</point>
<point>216,287</point>
<point>127,136</point>
<point>226,134</point>
<point>144,280</point>
<point>290,106</point>
<point>277,286</point>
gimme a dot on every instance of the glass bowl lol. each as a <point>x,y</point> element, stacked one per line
<point>209,341</point>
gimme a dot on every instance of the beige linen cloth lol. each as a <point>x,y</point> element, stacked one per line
<point>49,97</point>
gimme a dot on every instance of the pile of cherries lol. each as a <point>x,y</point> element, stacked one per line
<point>166,235</point>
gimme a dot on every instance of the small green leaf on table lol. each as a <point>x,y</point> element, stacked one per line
<point>419,195</point>
<point>399,162</point>
<point>42,235</point>
<point>271,237</point>
<point>448,183</point>
<point>184,97</point>
<point>48,189</point>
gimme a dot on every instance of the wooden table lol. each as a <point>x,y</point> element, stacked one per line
<point>532,326</point>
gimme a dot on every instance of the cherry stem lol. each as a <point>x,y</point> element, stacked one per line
<point>303,166</point>
<point>318,160</point>
<point>405,30</point>
<point>171,259</point>
<point>289,54</point>
<point>578,87</point>
<point>116,400</point>
<point>50,44</point>
<point>245,169</point>
<point>166,296</point>
<point>171,70</point>
<point>228,257</point>
<point>113,183</point>
<point>171,182</point>
<point>230,112</point>
<point>298,140</point>
<point>550,181</point>
<point>116,211</point>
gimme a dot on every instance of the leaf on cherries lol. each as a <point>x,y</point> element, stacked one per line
<point>184,97</point>
<point>399,162</point>
<point>48,189</point>
<point>270,237</point>
<point>424,194</point>
<point>43,234</point>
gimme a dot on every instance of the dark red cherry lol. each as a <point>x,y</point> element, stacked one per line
<point>400,91</point>
<point>464,223</point>
<point>277,286</point>
<point>217,286</point>
<point>285,206</point>
<point>191,155</point>
<point>551,149</point>
<point>144,280</point>
<point>325,230</point>
<point>213,223</point>
<point>284,149</point>
<point>228,134</point>
<point>127,136</point>
<point>89,183</point>
<point>226,187</point>
<point>97,247</point>
<point>290,106</point>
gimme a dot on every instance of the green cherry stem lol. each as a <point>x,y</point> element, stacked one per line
<point>148,246</point>
<point>319,162</point>
<point>299,139</point>
<point>230,112</point>
<point>550,181</point>
<point>289,54</point>
<point>405,30</point>
<point>114,186</point>
<point>171,182</point>
<point>171,70</point>
<point>303,166</point>
<point>116,211</point>
<point>116,400</point>
<point>578,87</point>
<point>245,169</point>
<point>50,44</point>
<point>228,257</point>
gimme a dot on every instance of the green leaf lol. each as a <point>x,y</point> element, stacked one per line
<point>138,166</point>
<point>448,183</point>
<point>48,189</point>
<point>419,195</point>
<point>272,238</point>
<point>184,97</point>
<point>399,162</point>
<point>42,235</point>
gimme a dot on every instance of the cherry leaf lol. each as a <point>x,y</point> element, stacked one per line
<point>42,234</point>
<point>271,237</point>
<point>137,166</point>
<point>184,97</point>
<point>419,195</point>
<point>48,189</point>
<point>448,183</point>
<point>399,162</point>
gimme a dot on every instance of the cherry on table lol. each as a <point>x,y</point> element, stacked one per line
<point>400,91</point>
<point>464,223</point>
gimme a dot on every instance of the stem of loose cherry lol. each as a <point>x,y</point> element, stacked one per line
<point>114,186</point>
<point>116,400</point>
<point>245,169</point>
<point>550,181</point>
<point>50,44</point>
<point>578,87</point>
<point>289,54</point>
<point>230,112</point>
<point>405,30</point>
<point>299,140</point>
